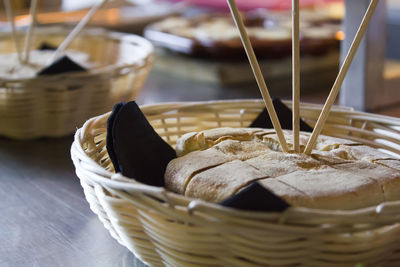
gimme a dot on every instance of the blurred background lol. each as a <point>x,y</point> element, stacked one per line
<point>204,63</point>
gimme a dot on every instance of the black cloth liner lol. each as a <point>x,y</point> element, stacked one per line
<point>62,65</point>
<point>46,46</point>
<point>256,197</point>
<point>109,139</point>
<point>135,148</point>
<point>284,115</point>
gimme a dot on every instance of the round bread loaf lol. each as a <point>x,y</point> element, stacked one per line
<point>339,174</point>
<point>216,36</point>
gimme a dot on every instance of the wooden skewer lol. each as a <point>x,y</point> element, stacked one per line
<point>342,74</point>
<point>257,73</point>
<point>29,34</point>
<point>78,28</point>
<point>296,75</point>
<point>10,15</point>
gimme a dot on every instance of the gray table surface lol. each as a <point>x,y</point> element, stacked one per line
<point>44,217</point>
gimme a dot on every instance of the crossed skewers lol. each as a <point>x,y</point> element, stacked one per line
<point>23,58</point>
<point>296,75</point>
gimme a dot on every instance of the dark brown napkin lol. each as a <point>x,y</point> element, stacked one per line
<point>62,65</point>
<point>135,148</point>
<point>284,115</point>
<point>46,46</point>
<point>255,197</point>
<point>109,139</point>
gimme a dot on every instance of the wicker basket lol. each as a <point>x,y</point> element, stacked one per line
<point>166,229</point>
<point>56,105</point>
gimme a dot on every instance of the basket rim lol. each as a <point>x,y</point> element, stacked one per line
<point>147,47</point>
<point>119,182</point>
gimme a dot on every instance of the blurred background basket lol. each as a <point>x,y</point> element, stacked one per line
<point>166,229</point>
<point>52,106</point>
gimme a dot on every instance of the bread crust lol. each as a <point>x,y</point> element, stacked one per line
<point>339,174</point>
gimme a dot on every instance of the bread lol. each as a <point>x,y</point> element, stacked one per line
<point>339,174</point>
<point>10,68</point>
<point>216,37</point>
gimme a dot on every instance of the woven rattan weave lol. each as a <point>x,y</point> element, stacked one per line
<point>165,229</point>
<point>56,105</point>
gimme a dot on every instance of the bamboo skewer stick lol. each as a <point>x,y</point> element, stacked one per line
<point>78,28</point>
<point>295,75</point>
<point>29,34</point>
<point>257,73</point>
<point>10,15</point>
<point>342,74</point>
